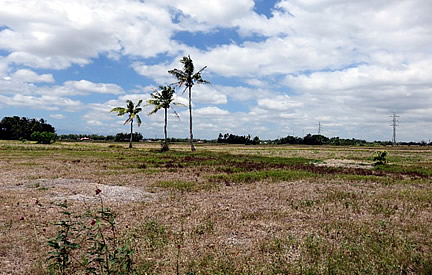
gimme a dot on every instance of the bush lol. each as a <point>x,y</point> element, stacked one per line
<point>43,137</point>
<point>380,157</point>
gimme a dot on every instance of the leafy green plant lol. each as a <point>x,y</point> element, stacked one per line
<point>88,243</point>
<point>64,243</point>
<point>380,157</point>
<point>43,137</point>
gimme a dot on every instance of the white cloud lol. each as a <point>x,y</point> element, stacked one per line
<point>159,72</point>
<point>210,111</point>
<point>207,94</point>
<point>58,33</point>
<point>57,116</point>
<point>30,76</point>
<point>216,12</point>
<point>279,103</point>
<point>90,87</point>
<point>364,76</point>
<point>44,102</point>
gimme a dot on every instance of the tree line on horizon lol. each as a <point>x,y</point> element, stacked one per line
<point>23,128</point>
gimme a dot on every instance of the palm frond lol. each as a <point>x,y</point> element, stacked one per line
<point>179,104</point>
<point>138,120</point>
<point>157,108</point>
<point>127,121</point>
<point>120,110</point>
<point>176,114</point>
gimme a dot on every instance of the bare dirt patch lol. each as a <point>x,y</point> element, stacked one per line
<point>345,163</point>
<point>83,190</point>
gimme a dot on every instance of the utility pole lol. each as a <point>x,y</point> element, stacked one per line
<point>319,127</point>
<point>394,125</point>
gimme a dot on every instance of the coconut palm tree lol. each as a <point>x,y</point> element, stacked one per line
<point>162,99</point>
<point>188,77</point>
<point>132,110</point>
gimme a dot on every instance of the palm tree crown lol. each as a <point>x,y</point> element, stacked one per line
<point>187,76</point>
<point>132,110</point>
<point>162,98</point>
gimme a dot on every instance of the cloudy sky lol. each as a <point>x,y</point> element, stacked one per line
<point>277,68</point>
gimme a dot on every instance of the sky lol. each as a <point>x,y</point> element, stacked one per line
<point>276,67</point>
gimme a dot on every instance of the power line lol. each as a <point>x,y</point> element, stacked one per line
<point>394,124</point>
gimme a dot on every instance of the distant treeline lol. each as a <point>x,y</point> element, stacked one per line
<point>120,137</point>
<point>234,139</point>
<point>22,128</point>
<point>320,140</point>
<point>15,128</point>
<point>309,140</point>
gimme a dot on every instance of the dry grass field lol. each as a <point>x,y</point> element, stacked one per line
<point>221,210</point>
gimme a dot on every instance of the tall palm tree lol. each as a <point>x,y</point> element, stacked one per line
<point>132,112</point>
<point>162,99</point>
<point>188,78</point>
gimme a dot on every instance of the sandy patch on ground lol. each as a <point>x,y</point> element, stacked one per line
<point>345,163</point>
<point>83,190</point>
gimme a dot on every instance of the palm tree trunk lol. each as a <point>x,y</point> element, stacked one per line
<point>130,140</point>
<point>166,122</point>
<point>190,119</point>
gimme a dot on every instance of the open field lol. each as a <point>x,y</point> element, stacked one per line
<point>224,209</point>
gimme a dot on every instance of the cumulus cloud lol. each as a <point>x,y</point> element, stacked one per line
<point>59,33</point>
<point>279,103</point>
<point>210,111</point>
<point>30,76</point>
<point>90,87</point>
<point>45,102</point>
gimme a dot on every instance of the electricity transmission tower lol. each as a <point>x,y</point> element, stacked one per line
<point>319,127</point>
<point>394,124</point>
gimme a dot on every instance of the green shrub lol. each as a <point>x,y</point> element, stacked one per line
<point>380,157</point>
<point>43,137</point>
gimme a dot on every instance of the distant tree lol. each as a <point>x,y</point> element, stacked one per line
<point>21,127</point>
<point>162,99</point>
<point>256,140</point>
<point>234,139</point>
<point>132,112</point>
<point>289,140</point>
<point>315,139</point>
<point>43,137</point>
<point>121,137</point>
<point>188,77</point>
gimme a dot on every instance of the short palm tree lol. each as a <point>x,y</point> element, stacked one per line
<point>162,99</point>
<point>188,77</point>
<point>132,110</point>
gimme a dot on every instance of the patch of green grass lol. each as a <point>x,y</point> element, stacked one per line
<point>272,175</point>
<point>153,234</point>
<point>412,169</point>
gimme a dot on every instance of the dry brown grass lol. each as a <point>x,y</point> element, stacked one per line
<point>320,224</point>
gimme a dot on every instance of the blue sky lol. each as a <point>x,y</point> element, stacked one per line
<point>276,67</point>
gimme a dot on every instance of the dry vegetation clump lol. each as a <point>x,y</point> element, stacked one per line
<point>256,210</point>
